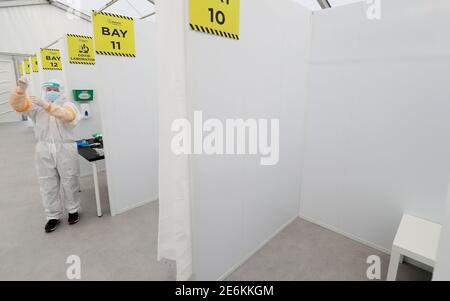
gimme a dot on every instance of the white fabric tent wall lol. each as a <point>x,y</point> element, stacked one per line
<point>315,6</point>
<point>378,139</point>
<point>134,8</point>
<point>25,28</point>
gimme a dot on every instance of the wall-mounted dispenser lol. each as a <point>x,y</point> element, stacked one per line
<point>84,97</point>
<point>85,110</point>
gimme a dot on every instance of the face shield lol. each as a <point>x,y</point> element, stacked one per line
<point>51,91</point>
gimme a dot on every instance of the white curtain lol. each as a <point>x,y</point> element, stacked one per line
<point>174,193</point>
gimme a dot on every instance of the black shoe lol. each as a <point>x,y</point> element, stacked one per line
<point>51,225</point>
<point>74,218</point>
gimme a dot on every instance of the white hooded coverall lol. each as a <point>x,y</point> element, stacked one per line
<point>56,152</point>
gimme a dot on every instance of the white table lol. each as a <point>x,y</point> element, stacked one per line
<point>417,239</point>
<point>92,157</point>
<point>97,189</point>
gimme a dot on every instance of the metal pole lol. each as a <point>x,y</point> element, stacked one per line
<point>53,43</point>
<point>149,15</point>
<point>107,5</point>
<point>15,54</point>
<point>324,4</point>
<point>70,10</point>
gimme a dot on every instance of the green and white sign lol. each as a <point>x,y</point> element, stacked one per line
<point>83,95</point>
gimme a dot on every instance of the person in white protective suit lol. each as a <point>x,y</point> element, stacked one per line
<point>56,151</point>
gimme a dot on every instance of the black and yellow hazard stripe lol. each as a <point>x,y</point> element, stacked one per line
<point>60,68</point>
<point>215,32</point>
<point>115,53</point>
<point>81,63</point>
<point>50,49</point>
<point>78,36</point>
<point>113,15</point>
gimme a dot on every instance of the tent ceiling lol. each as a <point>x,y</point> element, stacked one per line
<point>132,8</point>
<point>314,4</point>
<point>141,8</point>
<point>13,3</point>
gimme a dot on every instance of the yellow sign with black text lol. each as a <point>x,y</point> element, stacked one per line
<point>51,59</point>
<point>34,64</point>
<point>216,17</point>
<point>114,34</point>
<point>81,50</point>
<point>26,63</point>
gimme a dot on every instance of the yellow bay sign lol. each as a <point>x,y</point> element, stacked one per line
<point>51,59</point>
<point>114,34</point>
<point>34,64</point>
<point>216,17</point>
<point>81,50</point>
<point>26,63</point>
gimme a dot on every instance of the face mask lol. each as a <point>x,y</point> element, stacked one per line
<point>52,96</point>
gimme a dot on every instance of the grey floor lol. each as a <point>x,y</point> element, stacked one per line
<point>306,252</point>
<point>124,247</point>
<point>119,248</point>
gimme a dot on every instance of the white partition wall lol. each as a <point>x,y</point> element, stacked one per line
<point>374,143</point>
<point>82,77</point>
<point>378,138</point>
<point>238,204</point>
<point>442,266</point>
<point>126,92</point>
